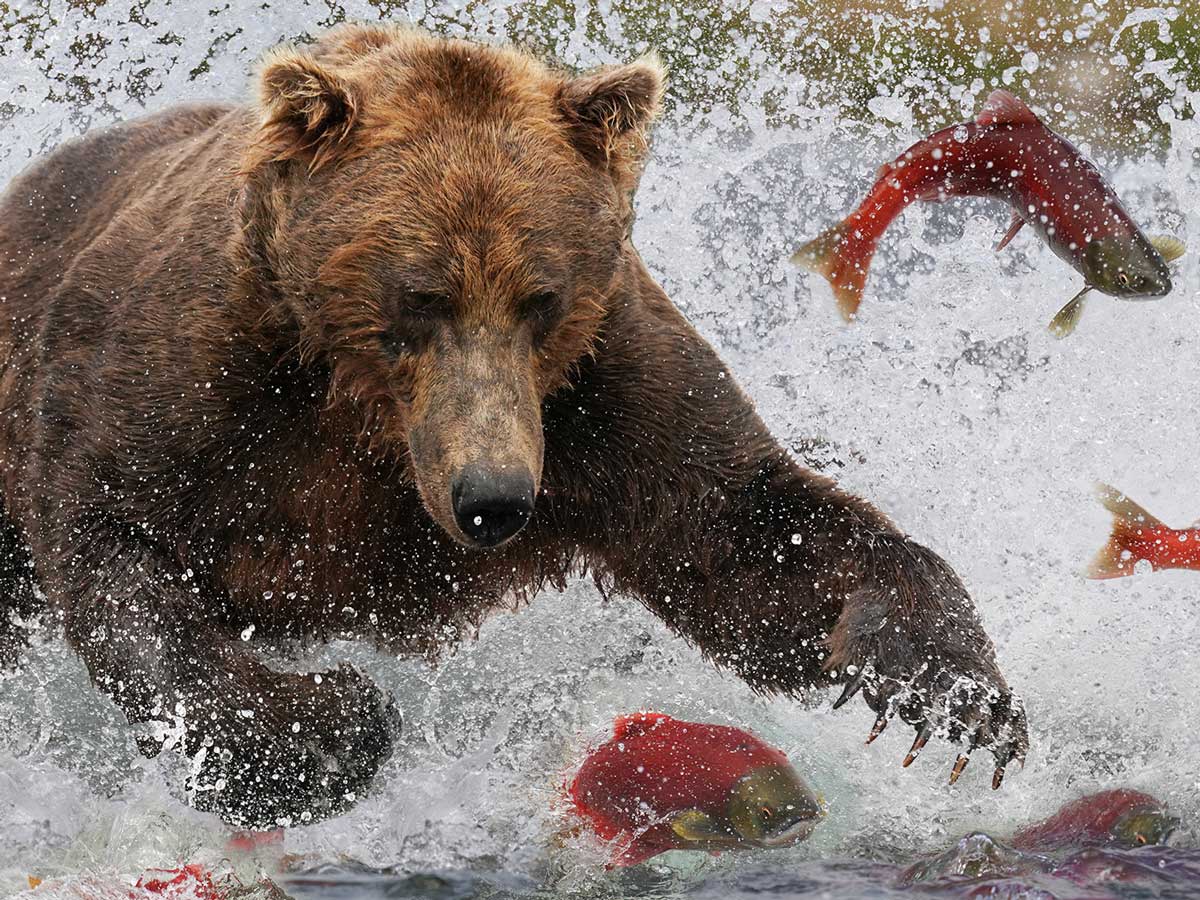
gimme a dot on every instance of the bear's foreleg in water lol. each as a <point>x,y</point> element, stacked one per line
<point>690,505</point>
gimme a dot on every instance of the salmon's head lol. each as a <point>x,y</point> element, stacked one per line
<point>770,806</point>
<point>1149,825</point>
<point>1125,267</point>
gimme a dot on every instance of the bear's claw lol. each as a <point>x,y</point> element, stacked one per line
<point>910,641</point>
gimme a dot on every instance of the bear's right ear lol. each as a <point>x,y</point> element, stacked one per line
<point>609,112</point>
<point>309,111</point>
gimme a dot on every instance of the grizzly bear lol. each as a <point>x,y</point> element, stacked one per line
<point>374,357</point>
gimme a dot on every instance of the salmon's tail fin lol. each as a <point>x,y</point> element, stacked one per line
<point>842,257</point>
<point>1115,559</point>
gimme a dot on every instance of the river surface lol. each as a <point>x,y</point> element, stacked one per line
<point>948,403</point>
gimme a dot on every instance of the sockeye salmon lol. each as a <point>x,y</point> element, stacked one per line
<point>1006,153</point>
<point>662,784</point>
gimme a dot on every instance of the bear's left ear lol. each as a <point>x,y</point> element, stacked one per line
<point>309,110</point>
<point>609,112</point>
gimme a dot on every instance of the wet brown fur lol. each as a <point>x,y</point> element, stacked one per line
<point>245,349</point>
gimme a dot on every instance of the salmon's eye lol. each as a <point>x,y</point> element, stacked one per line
<point>1122,278</point>
<point>766,812</point>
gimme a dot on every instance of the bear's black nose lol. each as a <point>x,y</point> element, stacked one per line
<point>491,504</point>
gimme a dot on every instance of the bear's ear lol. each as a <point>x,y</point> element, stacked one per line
<point>308,110</point>
<point>612,109</point>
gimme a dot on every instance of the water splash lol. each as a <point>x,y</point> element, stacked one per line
<point>947,403</point>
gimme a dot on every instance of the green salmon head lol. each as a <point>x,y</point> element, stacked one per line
<point>1144,826</point>
<point>1126,267</point>
<point>772,807</point>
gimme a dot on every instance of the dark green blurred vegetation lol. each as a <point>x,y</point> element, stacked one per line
<point>1107,71</point>
<point>1102,69</point>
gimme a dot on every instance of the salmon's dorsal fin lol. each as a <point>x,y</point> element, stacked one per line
<point>633,724</point>
<point>1002,108</point>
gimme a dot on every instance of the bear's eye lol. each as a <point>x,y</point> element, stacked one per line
<point>542,310</point>
<point>414,321</point>
<point>422,303</point>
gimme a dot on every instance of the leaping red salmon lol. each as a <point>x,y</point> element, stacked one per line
<point>1137,535</point>
<point>1006,153</point>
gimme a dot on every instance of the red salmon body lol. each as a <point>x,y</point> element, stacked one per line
<point>1138,536</point>
<point>661,784</point>
<point>1006,153</point>
<point>1119,816</point>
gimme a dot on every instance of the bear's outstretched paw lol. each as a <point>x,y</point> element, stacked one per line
<point>922,655</point>
<point>301,749</point>
<point>944,703</point>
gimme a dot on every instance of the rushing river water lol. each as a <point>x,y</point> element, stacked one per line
<point>948,404</point>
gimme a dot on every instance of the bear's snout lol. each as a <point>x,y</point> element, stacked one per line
<point>491,504</point>
<point>475,436</point>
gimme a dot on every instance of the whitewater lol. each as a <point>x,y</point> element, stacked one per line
<point>947,403</point>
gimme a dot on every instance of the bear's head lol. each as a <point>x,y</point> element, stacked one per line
<point>442,224</point>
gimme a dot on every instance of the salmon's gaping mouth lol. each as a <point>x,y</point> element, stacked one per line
<point>791,832</point>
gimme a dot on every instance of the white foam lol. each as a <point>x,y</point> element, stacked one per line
<point>948,403</point>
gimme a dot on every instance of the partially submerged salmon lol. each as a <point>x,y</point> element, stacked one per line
<point>1120,816</point>
<point>1007,154</point>
<point>663,784</point>
<point>1138,536</point>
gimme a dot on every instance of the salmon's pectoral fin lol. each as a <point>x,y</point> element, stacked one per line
<point>1013,227</point>
<point>1169,247</point>
<point>1067,318</point>
<point>697,827</point>
<point>842,258</point>
<point>1114,559</point>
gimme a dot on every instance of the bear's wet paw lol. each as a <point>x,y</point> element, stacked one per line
<point>932,666</point>
<point>311,754</point>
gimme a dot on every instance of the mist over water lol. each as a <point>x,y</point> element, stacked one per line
<point>948,404</point>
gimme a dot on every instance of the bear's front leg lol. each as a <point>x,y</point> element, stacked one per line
<point>796,585</point>
<point>675,493</point>
<point>267,747</point>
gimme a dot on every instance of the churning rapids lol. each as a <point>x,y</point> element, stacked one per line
<point>948,404</point>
